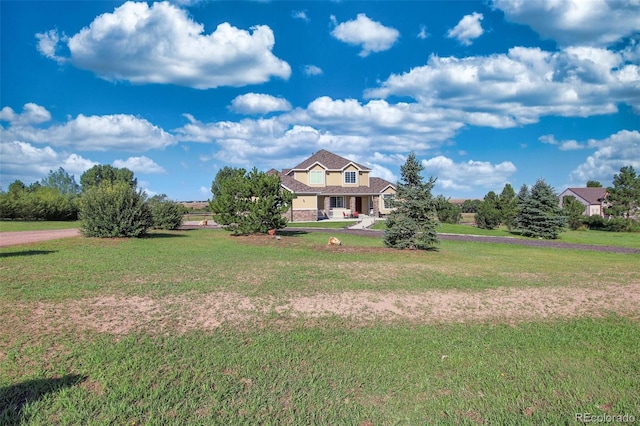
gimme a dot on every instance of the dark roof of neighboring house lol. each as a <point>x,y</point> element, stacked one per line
<point>590,195</point>
<point>329,160</point>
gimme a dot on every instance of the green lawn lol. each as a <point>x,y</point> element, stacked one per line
<point>302,370</point>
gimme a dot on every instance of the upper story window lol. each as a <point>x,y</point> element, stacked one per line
<point>316,177</point>
<point>349,177</point>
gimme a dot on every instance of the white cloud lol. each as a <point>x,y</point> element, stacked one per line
<point>300,14</point>
<point>337,125</point>
<point>371,35</point>
<point>548,139</point>
<point>161,44</point>
<point>506,90</point>
<point>312,70</point>
<point>143,165</point>
<point>31,114</point>
<point>618,150</point>
<point>468,175</point>
<point>48,44</point>
<point>23,161</point>
<point>423,34</point>
<point>468,29</point>
<point>96,133</point>
<point>576,22</point>
<point>258,103</point>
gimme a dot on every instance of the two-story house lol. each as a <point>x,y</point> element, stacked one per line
<point>327,185</point>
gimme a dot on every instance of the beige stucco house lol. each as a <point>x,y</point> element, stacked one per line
<point>592,198</point>
<point>327,185</point>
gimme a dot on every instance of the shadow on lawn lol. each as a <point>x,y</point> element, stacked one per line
<point>27,253</point>
<point>292,232</point>
<point>15,397</point>
<point>163,234</point>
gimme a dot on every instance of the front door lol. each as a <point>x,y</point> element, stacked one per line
<point>359,204</point>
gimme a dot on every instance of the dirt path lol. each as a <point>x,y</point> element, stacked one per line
<point>120,315</point>
<point>26,237</point>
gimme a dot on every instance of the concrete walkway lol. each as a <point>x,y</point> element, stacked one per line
<point>365,223</point>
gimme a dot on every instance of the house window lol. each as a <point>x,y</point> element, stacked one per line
<point>316,177</point>
<point>349,177</point>
<point>336,202</point>
<point>388,200</point>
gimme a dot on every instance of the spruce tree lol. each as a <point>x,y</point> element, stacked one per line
<point>540,215</point>
<point>412,225</point>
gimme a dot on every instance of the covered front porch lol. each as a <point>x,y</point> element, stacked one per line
<point>347,206</point>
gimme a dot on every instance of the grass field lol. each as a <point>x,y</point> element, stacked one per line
<point>198,327</point>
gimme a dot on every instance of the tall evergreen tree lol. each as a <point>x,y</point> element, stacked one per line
<point>412,224</point>
<point>624,196</point>
<point>508,206</point>
<point>540,215</point>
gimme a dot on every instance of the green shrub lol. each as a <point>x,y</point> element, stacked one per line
<point>114,210</point>
<point>617,224</point>
<point>166,214</point>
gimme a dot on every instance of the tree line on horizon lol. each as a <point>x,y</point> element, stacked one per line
<point>107,202</point>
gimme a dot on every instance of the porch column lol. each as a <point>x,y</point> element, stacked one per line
<point>327,206</point>
<point>352,204</point>
<point>376,205</point>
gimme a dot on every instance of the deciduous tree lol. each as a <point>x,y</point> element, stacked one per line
<point>106,173</point>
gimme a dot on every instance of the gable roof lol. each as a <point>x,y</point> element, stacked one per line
<point>590,195</point>
<point>329,160</point>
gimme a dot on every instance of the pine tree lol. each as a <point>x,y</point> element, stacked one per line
<point>412,225</point>
<point>488,215</point>
<point>540,215</point>
<point>624,196</point>
<point>508,206</point>
<point>248,203</point>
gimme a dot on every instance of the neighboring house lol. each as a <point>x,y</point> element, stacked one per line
<point>592,198</point>
<point>327,185</point>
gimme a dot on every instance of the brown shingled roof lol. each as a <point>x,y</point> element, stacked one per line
<point>329,160</point>
<point>297,187</point>
<point>590,195</point>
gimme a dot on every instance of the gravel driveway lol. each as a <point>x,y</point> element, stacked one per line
<point>25,237</point>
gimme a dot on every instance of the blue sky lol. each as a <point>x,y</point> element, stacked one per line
<point>485,93</point>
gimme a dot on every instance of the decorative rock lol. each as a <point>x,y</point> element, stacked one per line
<point>333,241</point>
